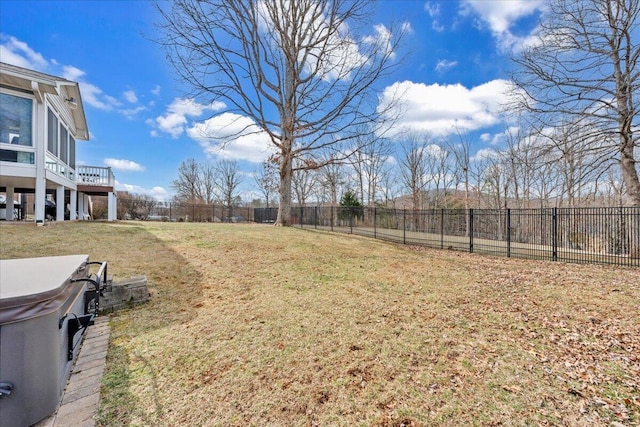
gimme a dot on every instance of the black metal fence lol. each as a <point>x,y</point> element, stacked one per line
<point>188,212</point>
<point>581,235</point>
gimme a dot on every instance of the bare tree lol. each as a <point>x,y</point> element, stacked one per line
<point>439,176</point>
<point>227,180</point>
<point>135,206</point>
<point>266,179</point>
<point>413,166</point>
<point>585,65</point>
<point>303,182</point>
<point>368,163</point>
<point>188,181</point>
<point>614,190</point>
<point>389,187</point>
<point>206,183</point>
<point>195,182</point>
<point>331,180</point>
<point>496,184</point>
<point>519,159</point>
<point>546,181</point>
<point>303,71</point>
<point>461,155</point>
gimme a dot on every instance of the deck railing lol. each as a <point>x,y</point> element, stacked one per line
<point>58,167</point>
<point>95,175</point>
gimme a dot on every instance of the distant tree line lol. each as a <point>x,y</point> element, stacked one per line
<point>570,141</point>
<point>207,183</point>
<point>431,173</point>
<point>135,206</point>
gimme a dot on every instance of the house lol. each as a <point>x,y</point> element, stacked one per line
<point>41,118</point>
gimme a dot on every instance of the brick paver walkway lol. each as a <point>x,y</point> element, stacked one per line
<point>82,394</point>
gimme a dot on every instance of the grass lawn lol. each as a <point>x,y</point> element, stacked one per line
<point>257,325</point>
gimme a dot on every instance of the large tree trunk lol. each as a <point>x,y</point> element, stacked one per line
<point>630,176</point>
<point>286,171</point>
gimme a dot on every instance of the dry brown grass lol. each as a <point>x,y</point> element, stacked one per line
<point>256,325</point>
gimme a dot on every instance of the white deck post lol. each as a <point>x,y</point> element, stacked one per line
<point>60,203</point>
<point>81,209</point>
<point>112,207</point>
<point>40,143</point>
<point>40,196</point>
<point>9,207</point>
<point>73,205</point>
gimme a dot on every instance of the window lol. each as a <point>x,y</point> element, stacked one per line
<point>17,156</point>
<point>15,120</point>
<point>52,132</point>
<point>64,141</point>
<point>72,152</point>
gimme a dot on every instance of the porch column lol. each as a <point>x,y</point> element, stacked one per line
<point>60,203</point>
<point>40,143</point>
<point>9,207</point>
<point>40,197</point>
<point>81,209</point>
<point>112,207</point>
<point>73,205</point>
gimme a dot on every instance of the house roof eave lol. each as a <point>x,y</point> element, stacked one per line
<point>41,83</point>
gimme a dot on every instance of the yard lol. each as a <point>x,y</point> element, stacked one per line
<point>257,325</point>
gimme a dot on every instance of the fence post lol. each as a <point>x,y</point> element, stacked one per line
<point>375,235</point>
<point>170,219</point>
<point>351,219</point>
<point>554,231</point>
<point>404,226</point>
<point>301,216</point>
<point>331,217</point>
<point>442,228</point>
<point>470,230</point>
<point>508,233</point>
<point>315,218</point>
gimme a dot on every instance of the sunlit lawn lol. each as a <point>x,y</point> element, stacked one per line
<point>258,325</point>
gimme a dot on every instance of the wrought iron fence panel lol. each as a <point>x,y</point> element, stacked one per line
<point>583,235</point>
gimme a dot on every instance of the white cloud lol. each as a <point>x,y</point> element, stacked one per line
<point>233,137</point>
<point>157,193</point>
<point>130,96</point>
<point>156,90</point>
<point>485,154</point>
<point>435,151</point>
<point>16,52</point>
<point>342,50</point>
<point>444,64</point>
<point>124,165</point>
<point>94,96</point>
<point>445,109</point>
<point>381,38</point>
<point>130,113</point>
<point>91,94</point>
<point>501,137</point>
<point>406,28</point>
<point>433,9</point>
<point>502,16</point>
<point>72,73</point>
<point>175,119</point>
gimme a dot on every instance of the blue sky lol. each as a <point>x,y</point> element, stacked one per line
<point>142,122</point>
